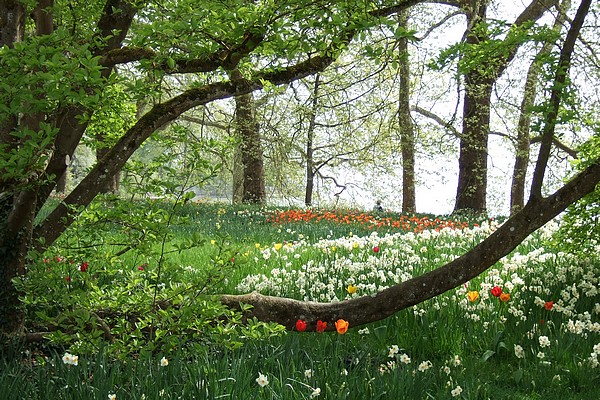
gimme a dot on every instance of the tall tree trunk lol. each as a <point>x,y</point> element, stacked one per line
<point>405,123</point>
<point>517,188</point>
<point>252,154</point>
<point>472,175</point>
<point>310,142</point>
<point>237,184</point>
<point>114,182</point>
<point>17,206</point>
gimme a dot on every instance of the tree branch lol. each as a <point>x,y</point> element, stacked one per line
<point>556,94</point>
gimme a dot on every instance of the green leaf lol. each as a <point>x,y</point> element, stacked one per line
<point>487,355</point>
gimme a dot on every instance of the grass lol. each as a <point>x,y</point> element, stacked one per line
<point>457,348</point>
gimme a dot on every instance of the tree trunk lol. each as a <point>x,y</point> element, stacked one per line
<point>252,154</point>
<point>405,122</point>
<point>114,182</point>
<point>310,149</point>
<point>472,175</point>
<point>17,206</point>
<point>237,184</point>
<point>61,183</point>
<point>517,188</point>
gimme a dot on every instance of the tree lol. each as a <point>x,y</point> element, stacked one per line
<point>472,180</point>
<point>523,140</point>
<point>250,148</point>
<point>52,80</point>
<point>405,124</point>
<point>51,85</point>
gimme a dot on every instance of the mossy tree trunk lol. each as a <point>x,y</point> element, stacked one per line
<point>405,122</point>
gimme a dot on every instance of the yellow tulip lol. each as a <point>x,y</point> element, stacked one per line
<point>473,295</point>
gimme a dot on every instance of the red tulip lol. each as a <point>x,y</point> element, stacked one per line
<point>496,291</point>
<point>300,325</point>
<point>321,326</point>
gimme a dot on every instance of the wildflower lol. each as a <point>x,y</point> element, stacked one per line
<point>541,355</point>
<point>544,341</point>
<point>393,350</point>
<point>364,331</point>
<point>496,291</point>
<point>341,326</point>
<point>278,246</point>
<point>321,326</point>
<point>83,267</point>
<point>300,325</point>
<point>70,359</point>
<point>473,295</point>
<point>141,268</point>
<point>112,396</point>
<point>456,391</point>
<point>504,297</point>
<point>519,352</point>
<point>404,358</point>
<point>316,392</point>
<point>446,369</point>
<point>549,305</point>
<point>376,249</point>
<point>164,362</point>
<point>424,366</point>
<point>308,373</point>
<point>351,289</point>
<point>456,361</point>
<point>262,380</point>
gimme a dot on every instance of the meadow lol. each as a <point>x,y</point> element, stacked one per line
<point>529,328</point>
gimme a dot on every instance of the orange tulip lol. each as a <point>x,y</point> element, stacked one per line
<point>505,297</point>
<point>341,326</point>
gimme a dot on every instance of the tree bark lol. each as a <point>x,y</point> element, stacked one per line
<point>472,176</point>
<point>405,122</point>
<point>310,143</point>
<point>113,183</point>
<point>248,130</point>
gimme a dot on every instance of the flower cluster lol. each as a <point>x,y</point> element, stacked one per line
<point>352,266</point>
<point>341,326</point>
<point>70,359</point>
